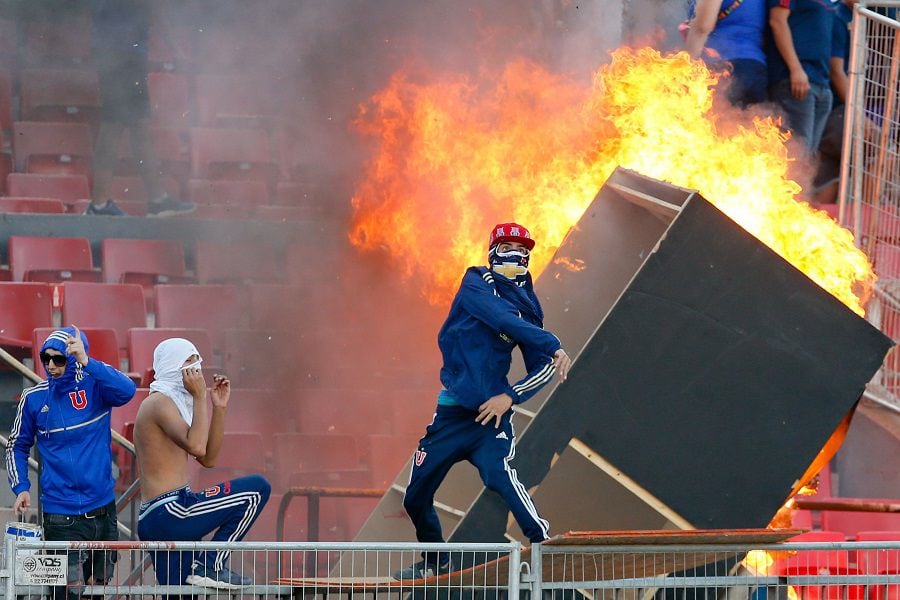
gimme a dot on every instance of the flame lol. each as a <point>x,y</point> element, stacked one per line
<point>455,155</point>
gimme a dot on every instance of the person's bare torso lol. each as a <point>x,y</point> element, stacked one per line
<point>162,464</point>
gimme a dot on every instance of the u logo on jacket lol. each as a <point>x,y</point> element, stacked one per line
<point>79,400</point>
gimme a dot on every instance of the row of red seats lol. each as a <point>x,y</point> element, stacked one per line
<point>58,148</point>
<point>120,307</point>
<point>149,262</point>
<point>176,100</point>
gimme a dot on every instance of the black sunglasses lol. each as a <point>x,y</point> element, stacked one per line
<point>58,359</point>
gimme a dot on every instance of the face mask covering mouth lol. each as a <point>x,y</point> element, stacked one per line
<point>512,264</point>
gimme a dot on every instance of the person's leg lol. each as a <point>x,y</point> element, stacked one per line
<point>442,446</point>
<point>825,182</point>
<point>491,455</point>
<point>799,114</point>
<point>156,524</point>
<point>233,506</point>
<point>68,528</point>
<point>822,99</point>
<point>101,566</point>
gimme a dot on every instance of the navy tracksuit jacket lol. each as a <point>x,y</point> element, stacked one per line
<point>488,318</point>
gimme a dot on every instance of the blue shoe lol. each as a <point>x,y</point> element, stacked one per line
<point>223,579</point>
<point>167,206</point>
<point>109,209</point>
<point>423,570</point>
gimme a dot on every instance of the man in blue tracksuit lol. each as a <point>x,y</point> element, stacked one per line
<point>69,416</point>
<point>494,311</point>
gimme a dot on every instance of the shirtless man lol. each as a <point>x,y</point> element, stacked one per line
<point>172,423</point>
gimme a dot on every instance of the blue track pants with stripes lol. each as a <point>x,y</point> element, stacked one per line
<point>454,436</point>
<point>229,509</point>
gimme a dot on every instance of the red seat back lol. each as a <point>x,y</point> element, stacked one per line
<point>235,262</point>
<point>118,306</point>
<point>244,193</point>
<point>142,341</point>
<point>232,154</point>
<point>32,205</point>
<point>210,307</point>
<point>67,188</point>
<point>65,255</point>
<point>59,95</point>
<point>23,306</point>
<point>149,257</point>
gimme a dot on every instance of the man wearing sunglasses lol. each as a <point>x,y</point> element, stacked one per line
<point>494,311</point>
<point>68,415</point>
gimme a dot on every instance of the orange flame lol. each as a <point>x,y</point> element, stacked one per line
<point>455,156</point>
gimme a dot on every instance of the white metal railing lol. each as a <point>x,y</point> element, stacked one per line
<point>868,570</point>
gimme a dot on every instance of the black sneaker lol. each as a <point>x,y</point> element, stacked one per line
<point>223,579</point>
<point>423,570</point>
<point>110,209</point>
<point>167,206</point>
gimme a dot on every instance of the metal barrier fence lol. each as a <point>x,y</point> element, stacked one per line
<point>870,170</point>
<point>785,571</point>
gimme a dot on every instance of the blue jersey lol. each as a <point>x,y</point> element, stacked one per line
<point>489,317</point>
<point>740,34</point>
<point>71,421</point>
<point>811,24</point>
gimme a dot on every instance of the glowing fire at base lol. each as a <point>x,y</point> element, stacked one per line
<point>455,156</point>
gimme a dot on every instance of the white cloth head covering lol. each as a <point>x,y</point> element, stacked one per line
<point>168,358</point>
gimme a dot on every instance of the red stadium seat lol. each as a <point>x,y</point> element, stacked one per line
<point>284,213</point>
<point>48,206</point>
<point>210,307</point>
<point>820,562</point>
<point>241,154</point>
<point>236,262</point>
<point>306,196</point>
<point>170,46</point>
<point>147,262</point>
<point>60,42</point>
<point>325,410</point>
<point>236,101</point>
<point>67,188</point>
<point>118,306</point>
<point>243,193</point>
<point>53,148</point>
<point>386,455</point>
<point>170,99</point>
<point>281,307</point>
<point>59,95</point>
<point>309,452</point>
<point>23,307</point>
<point>242,453</point>
<point>102,345</point>
<point>255,358</point>
<point>172,148</point>
<point>51,259</point>
<point>850,523</point>
<point>5,99</point>
<point>142,341</point>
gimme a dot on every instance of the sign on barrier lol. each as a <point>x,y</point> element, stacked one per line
<point>41,569</point>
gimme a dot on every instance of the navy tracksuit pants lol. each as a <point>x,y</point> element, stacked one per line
<point>229,508</point>
<point>454,436</point>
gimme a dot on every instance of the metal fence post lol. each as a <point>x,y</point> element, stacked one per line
<point>537,573</point>
<point>10,561</point>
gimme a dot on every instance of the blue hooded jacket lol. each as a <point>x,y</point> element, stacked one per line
<point>70,416</point>
<point>489,317</point>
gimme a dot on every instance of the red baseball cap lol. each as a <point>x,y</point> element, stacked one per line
<point>511,232</point>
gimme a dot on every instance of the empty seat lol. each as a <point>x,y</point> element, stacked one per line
<point>256,358</point>
<point>147,262</point>
<point>243,193</point>
<point>31,205</point>
<point>51,259</point>
<point>326,410</point>
<point>210,307</point>
<point>242,453</point>
<point>118,306</point>
<point>67,188</point>
<point>23,307</point>
<point>235,101</point>
<point>59,95</point>
<point>142,341</point>
<point>242,154</point>
<point>254,409</point>
<point>850,523</point>
<point>58,42</point>
<point>170,100</point>
<point>820,562</point>
<point>309,452</point>
<point>53,148</point>
<point>5,99</point>
<point>172,148</point>
<point>235,262</point>
<point>281,307</point>
<point>102,345</point>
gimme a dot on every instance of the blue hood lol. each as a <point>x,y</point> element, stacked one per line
<point>57,341</point>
